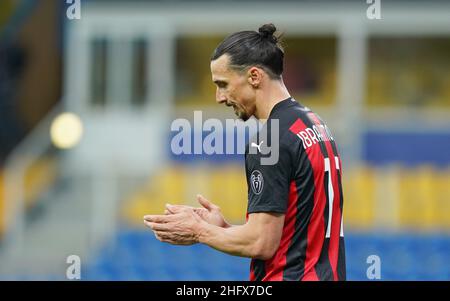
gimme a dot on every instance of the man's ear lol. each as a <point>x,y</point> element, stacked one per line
<point>255,76</point>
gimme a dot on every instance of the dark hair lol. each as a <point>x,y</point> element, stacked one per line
<point>253,48</point>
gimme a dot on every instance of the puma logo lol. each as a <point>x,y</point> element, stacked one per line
<point>258,146</point>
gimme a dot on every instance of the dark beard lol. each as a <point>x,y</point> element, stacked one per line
<point>242,115</point>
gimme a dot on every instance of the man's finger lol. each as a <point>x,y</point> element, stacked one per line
<point>156,226</point>
<point>165,235</point>
<point>158,236</point>
<point>158,218</point>
<point>177,208</point>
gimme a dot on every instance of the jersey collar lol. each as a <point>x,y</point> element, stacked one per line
<point>284,103</point>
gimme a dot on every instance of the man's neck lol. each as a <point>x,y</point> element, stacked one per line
<point>268,98</point>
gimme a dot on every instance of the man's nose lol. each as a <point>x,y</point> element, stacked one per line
<point>220,98</point>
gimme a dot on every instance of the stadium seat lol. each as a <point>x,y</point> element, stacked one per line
<point>136,254</point>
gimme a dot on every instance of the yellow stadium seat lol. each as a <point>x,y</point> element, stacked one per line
<point>223,185</point>
<point>358,190</point>
<point>38,178</point>
<point>395,197</point>
<point>229,192</point>
<point>442,203</point>
<point>419,198</point>
<point>165,186</point>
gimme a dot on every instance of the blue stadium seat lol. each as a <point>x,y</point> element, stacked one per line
<point>135,254</point>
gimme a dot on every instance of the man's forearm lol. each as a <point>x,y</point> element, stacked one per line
<point>234,240</point>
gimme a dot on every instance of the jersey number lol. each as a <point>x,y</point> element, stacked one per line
<point>331,195</point>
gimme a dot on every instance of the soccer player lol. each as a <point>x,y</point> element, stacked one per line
<point>294,228</point>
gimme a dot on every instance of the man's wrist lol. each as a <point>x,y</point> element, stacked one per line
<point>202,231</point>
<point>226,225</point>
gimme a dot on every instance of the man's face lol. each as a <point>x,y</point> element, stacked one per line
<point>233,88</point>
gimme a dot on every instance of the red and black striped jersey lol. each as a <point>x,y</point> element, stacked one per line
<point>304,184</point>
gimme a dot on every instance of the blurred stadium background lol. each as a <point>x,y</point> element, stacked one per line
<point>128,69</point>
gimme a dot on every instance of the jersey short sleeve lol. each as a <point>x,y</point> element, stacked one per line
<point>268,185</point>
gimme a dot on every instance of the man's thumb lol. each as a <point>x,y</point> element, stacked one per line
<point>204,202</point>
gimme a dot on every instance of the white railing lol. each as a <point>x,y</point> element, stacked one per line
<point>29,150</point>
